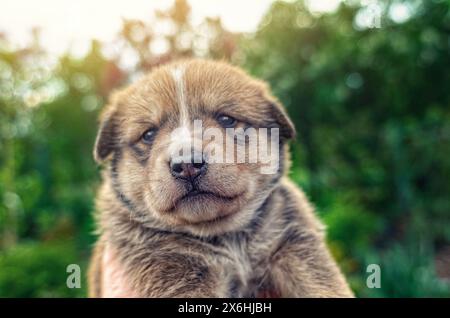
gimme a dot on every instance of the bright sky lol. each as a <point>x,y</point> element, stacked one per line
<point>72,23</point>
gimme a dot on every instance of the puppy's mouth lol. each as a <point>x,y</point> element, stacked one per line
<point>195,195</point>
<point>199,196</point>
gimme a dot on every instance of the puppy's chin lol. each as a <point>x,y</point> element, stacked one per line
<point>220,225</point>
<point>207,214</point>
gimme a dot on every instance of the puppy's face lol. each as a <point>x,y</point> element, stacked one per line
<point>173,140</point>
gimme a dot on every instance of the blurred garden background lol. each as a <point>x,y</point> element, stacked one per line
<point>367,84</point>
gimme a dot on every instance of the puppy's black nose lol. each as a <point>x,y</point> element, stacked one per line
<point>188,170</point>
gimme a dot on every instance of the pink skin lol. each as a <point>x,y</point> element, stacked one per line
<point>114,282</point>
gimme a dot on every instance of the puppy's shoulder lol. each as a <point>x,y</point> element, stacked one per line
<point>296,208</point>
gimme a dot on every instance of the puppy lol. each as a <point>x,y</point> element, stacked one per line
<point>175,223</point>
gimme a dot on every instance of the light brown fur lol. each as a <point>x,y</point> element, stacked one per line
<point>255,235</point>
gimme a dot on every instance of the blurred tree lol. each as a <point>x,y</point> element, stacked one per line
<point>176,38</point>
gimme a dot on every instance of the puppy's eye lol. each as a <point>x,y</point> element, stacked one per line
<point>148,135</point>
<point>226,121</point>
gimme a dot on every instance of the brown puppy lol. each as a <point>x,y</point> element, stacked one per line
<point>194,227</point>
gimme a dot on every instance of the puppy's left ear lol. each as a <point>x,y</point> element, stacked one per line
<point>287,128</point>
<point>106,140</point>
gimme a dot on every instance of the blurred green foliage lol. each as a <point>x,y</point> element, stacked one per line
<point>371,104</point>
<point>39,270</point>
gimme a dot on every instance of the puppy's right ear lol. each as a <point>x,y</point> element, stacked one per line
<point>106,140</point>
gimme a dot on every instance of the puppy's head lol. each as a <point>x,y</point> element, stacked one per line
<point>197,145</point>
